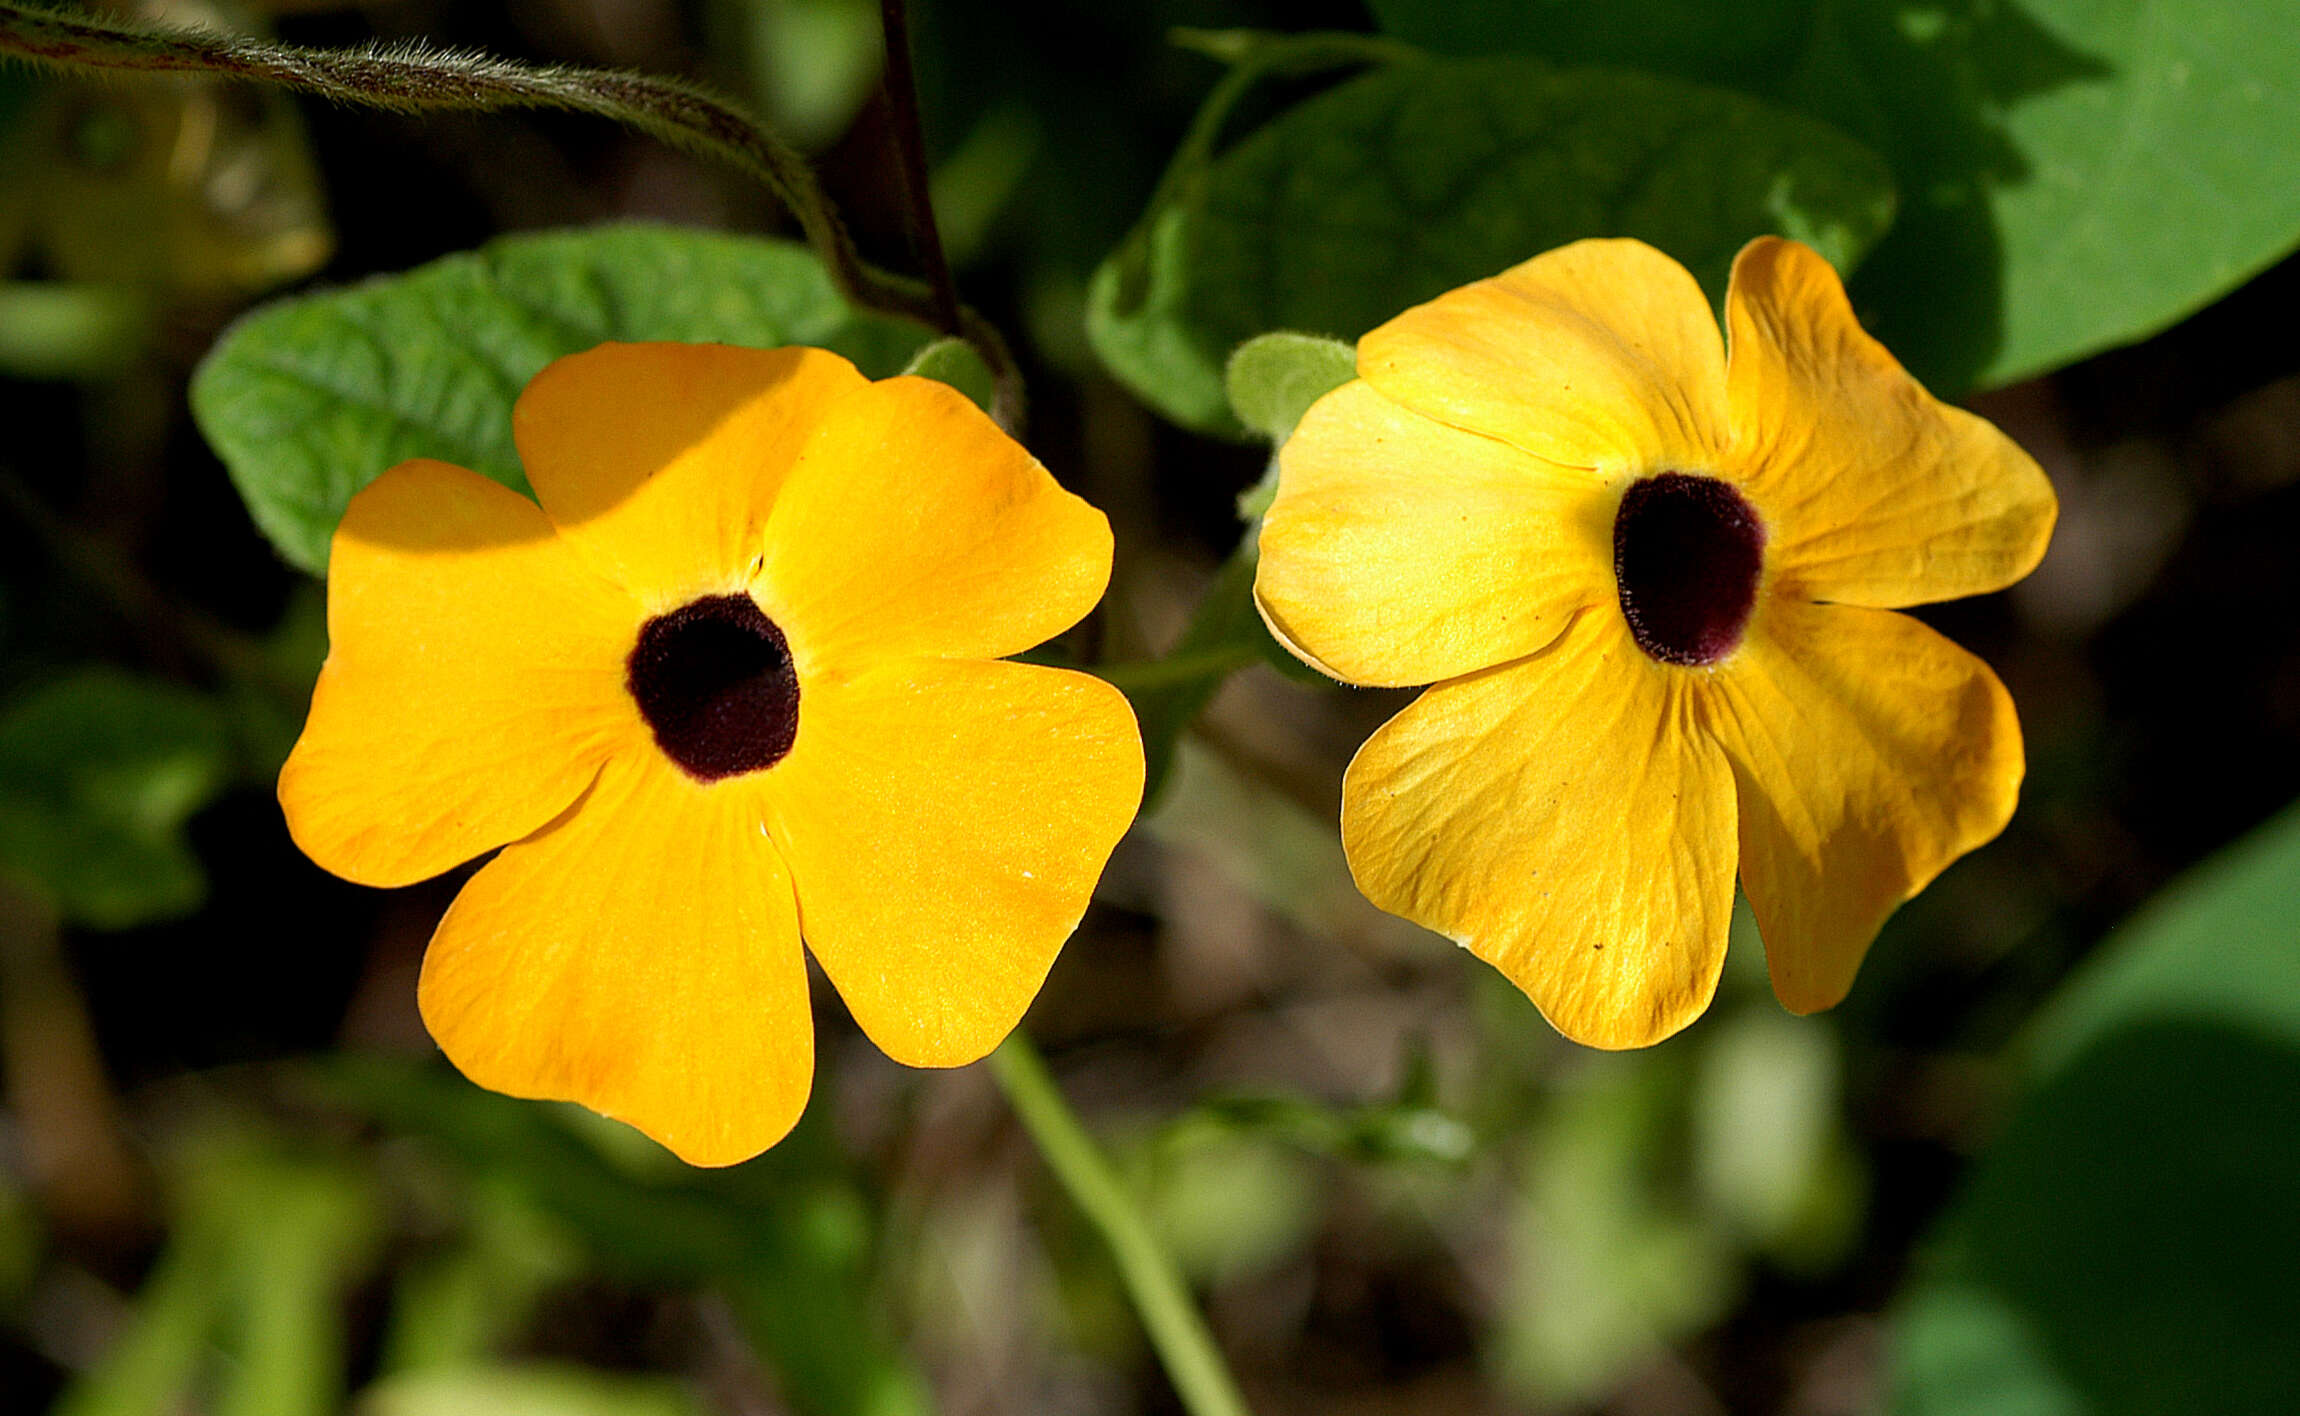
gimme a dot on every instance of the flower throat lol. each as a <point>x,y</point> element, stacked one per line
<point>1687,551</point>
<point>714,680</point>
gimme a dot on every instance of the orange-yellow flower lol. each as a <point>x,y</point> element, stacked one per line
<point>1652,587</point>
<point>736,679</point>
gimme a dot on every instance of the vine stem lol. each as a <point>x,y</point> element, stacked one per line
<point>899,80</point>
<point>901,85</point>
<point>1162,1300</point>
<point>413,78</point>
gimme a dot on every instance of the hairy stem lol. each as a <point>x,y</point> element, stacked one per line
<point>1195,1365</point>
<point>412,78</point>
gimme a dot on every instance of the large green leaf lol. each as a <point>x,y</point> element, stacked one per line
<point>98,772</point>
<point>1427,174</point>
<point>2077,173</point>
<point>2126,1245</point>
<point>307,400</point>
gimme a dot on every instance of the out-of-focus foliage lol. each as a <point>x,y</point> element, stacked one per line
<point>131,199</point>
<point>1270,382</point>
<point>1426,174</point>
<point>244,1315</point>
<point>186,187</point>
<point>786,1241</point>
<point>98,772</point>
<point>529,1391</point>
<point>2074,173</point>
<point>812,63</point>
<point>2125,1245</point>
<point>310,399</point>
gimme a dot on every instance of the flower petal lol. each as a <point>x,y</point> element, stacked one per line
<point>913,525</point>
<point>1565,820</point>
<point>473,685</point>
<point>946,821</point>
<point>659,461</point>
<point>1868,752</point>
<point>1875,492</point>
<point>1601,354</point>
<point>1403,551</point>
<point>640,956</point>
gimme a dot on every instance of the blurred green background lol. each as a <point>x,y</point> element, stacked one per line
<point>2045,1160</point>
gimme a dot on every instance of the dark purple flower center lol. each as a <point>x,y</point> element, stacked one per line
<point>1687,551</point>
<point>714,679</point>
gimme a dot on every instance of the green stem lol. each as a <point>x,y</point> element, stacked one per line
<point>411,79</point>
<point>1177,668</point>
<point>1200,1376</point>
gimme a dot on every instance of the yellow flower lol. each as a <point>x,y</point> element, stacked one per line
<point>1652,586</point>
<point>737,677</point>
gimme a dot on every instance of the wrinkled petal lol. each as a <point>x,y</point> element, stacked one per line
<point>913,525</point>
<point>639,956</point>
<point>1868,753</point>
<point>946,821</point>
<point>473,685</point>
<point>1601,354</point>
<point>1876,492</point>
<point>1567,821</point>
<point>1403,551</point>
<point>659,461</point>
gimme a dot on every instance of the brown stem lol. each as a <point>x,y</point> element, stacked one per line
<point>900,83</point>
<point>901,86</point>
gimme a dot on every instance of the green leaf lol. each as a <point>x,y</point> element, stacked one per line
<point>307,400</point>
<point>954,362</point>
<point>1377,1133</point>
<point>2078,173</point>
<point>1272,379</point>
<point>2124,1246</point>
<point>98,773</point>
<point>1427,174</point>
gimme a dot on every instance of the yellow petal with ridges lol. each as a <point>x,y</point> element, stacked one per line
<point>639,956</point>
<point>913,525</point>
<point>1603,354</point>
<point>1565,818</point>
<point>1869,753</point>
<point>1402,551</point>
<point>946,821</point>
<point>1874,492</point>
<point>473,685</point>
<point>659,461</point>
